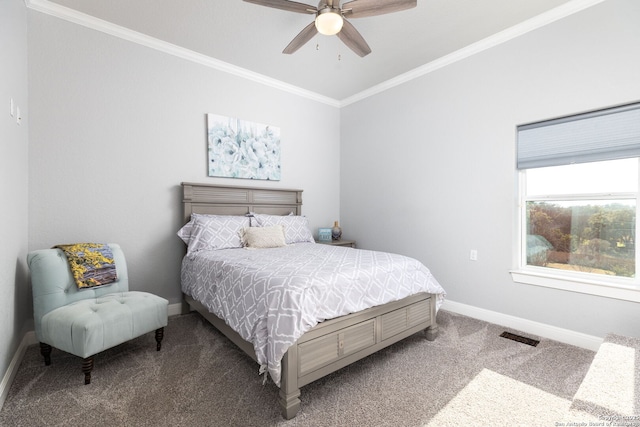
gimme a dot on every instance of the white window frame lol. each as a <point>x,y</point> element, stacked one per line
<point>587,148</point>
<point>623,288</point>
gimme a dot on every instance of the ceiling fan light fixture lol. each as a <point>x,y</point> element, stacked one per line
<point>329,21</point>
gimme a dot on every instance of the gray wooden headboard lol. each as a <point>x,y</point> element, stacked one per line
<point>230,200</point>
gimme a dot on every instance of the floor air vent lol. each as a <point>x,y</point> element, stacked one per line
<point>520,338</point>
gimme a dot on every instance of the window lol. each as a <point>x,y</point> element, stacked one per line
<point>582,217</point>
<point>579,180</point>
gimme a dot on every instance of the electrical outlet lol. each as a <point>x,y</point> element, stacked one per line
<point>473,255</point>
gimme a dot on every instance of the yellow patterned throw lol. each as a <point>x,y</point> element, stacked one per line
<point>91,264</point>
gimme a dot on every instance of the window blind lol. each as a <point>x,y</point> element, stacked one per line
<point>608,134</point>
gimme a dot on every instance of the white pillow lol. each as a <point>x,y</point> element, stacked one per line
<point>296,228</point>
<point>212,232</point>
<point>264,237</point>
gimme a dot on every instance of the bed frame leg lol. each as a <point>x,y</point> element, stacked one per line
<point>290,404</point>
<point>431,332</point>
<point>289,390</point>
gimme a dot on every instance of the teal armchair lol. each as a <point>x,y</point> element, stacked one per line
<point>85,322</point>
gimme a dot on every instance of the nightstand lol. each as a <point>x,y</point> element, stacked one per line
<point>348,243</point>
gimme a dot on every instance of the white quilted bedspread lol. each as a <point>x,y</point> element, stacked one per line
<point>273,296</point>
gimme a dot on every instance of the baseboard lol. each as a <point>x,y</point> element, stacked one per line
<point>566,336</point>
<point>175,309</point>
<point>28,339</point>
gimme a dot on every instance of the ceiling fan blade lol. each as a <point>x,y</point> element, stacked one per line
<point>364,8</point>
<point>291,6</point>
<point>304,36</point>
<point>352,38</point>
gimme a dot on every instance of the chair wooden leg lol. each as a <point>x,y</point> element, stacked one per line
<point>159,336</point>
<point>87,367</point>
<point>45,350</point>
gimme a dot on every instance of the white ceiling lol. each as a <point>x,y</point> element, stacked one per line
<point>252,37</point>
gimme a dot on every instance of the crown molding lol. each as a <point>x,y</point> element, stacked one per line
<point>71,15</point>
<point>88,21</point>
<point>511,33</point>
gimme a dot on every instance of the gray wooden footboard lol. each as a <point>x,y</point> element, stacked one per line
<point>336,343</point>
<point>332,344</point>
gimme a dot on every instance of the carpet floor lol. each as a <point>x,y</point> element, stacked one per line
<point>468,376</point>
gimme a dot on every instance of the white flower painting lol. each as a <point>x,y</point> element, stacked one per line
<point>241,149</point>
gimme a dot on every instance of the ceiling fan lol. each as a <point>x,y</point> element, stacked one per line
<point>331,19</point>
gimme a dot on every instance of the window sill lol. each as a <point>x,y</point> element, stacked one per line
<point>609,289</point>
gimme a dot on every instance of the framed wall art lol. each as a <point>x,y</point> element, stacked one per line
<point>242,149</point>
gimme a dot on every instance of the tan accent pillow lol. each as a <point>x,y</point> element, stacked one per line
<point>264,237</point>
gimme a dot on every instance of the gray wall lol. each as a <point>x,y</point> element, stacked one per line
<point>439,153</point>
<point>15,302</point>
<point>116,127</point>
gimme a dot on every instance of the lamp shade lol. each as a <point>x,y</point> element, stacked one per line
<point>329,23</point>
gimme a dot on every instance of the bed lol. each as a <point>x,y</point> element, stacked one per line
<point>328,344</point>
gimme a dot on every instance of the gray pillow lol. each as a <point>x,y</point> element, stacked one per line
<point>212,232</point>
<point>296,228</point>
